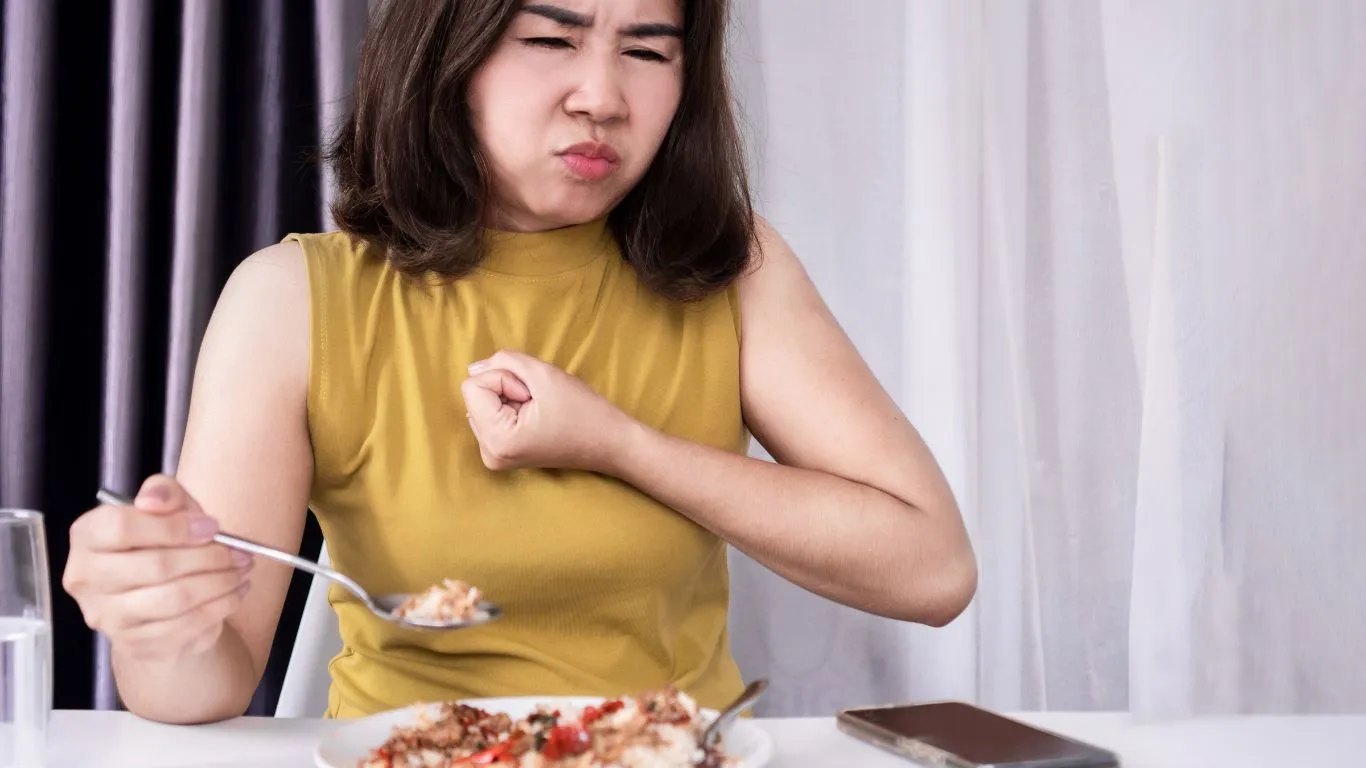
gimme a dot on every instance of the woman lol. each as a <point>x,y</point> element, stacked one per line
<point>531,359</point>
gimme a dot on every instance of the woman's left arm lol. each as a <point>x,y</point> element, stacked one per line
<point>856,509</point>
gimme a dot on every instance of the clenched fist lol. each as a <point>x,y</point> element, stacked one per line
<point>528,413</point>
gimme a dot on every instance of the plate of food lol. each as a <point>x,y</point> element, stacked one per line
<point>657,729</point>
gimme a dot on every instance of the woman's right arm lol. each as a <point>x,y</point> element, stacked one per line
<point>189,644</point>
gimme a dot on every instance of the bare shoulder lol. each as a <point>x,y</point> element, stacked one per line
<point>271,284</point>
<point>277,270</point>
<point>262,316</point>
<point>777,282</point>
<point>769,239</point>
<point>773,259</point>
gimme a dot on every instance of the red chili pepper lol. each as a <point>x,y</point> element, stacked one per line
<point>566,740</point>
<point>489,756</point>
<point>591,714</point>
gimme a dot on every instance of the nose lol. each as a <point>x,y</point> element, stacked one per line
<point>599,95</point>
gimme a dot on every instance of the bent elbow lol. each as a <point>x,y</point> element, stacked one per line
<point>955,595</point>
<point>950,591</point>
<point>178,713</point>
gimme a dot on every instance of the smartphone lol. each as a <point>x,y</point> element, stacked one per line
<point>959,735</point>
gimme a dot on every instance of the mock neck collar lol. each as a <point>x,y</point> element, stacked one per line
<point>545,253</point>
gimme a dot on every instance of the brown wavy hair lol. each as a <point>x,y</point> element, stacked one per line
<point>413,184</point>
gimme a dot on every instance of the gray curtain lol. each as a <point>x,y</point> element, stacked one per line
<point>147,149</point>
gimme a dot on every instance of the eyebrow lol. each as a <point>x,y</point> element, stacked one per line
<point>568,18</point>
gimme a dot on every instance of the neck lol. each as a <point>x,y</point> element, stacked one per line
<point>546,251</point>
<point>503,220</point>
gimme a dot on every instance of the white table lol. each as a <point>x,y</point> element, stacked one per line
<point>80,739</point>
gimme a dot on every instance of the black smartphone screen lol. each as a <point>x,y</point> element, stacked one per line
<point>981,737</point>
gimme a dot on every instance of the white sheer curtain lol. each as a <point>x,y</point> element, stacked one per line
<point>1111,258</point>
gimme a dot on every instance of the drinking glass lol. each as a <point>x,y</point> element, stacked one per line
<point>25,639</point>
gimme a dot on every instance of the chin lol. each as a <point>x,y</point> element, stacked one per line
<point>575,209</point>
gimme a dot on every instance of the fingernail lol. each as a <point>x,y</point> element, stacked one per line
<point>476,367</point>
<point>154,492</point>
<point>241,560</point>
<point>203,528</point>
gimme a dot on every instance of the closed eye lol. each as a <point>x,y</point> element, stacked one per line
<point>555,43</point>
<point>644,54</point>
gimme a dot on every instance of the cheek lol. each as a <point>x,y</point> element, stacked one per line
<point>653,111</point>
<point>503,115</point>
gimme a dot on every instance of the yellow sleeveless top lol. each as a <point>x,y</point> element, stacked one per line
<point>605,591</point>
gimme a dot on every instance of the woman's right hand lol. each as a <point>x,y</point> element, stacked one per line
<point>150,578</point>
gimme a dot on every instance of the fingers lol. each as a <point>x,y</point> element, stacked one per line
<point>147,575</point>
<point>119,529</point>
<point>496,383</point>
<point>163,495</point>
<point>487,399</point>
<point>195,630</point>
<point>527,368</point>
<point>499,398</point>
<point>493,411</point>
<point>203,594</point>
<point>503,383</point>
<point>126,571</point>
<point>163,515</point>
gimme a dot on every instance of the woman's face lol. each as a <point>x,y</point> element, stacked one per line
<point>573,104</point>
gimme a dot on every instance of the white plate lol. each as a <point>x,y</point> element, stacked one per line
<point>351,743</point>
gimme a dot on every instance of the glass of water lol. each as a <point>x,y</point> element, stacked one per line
<point>25,639</point>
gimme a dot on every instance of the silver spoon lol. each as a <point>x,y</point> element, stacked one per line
<point>725,717</point>
<point>382,606</point>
